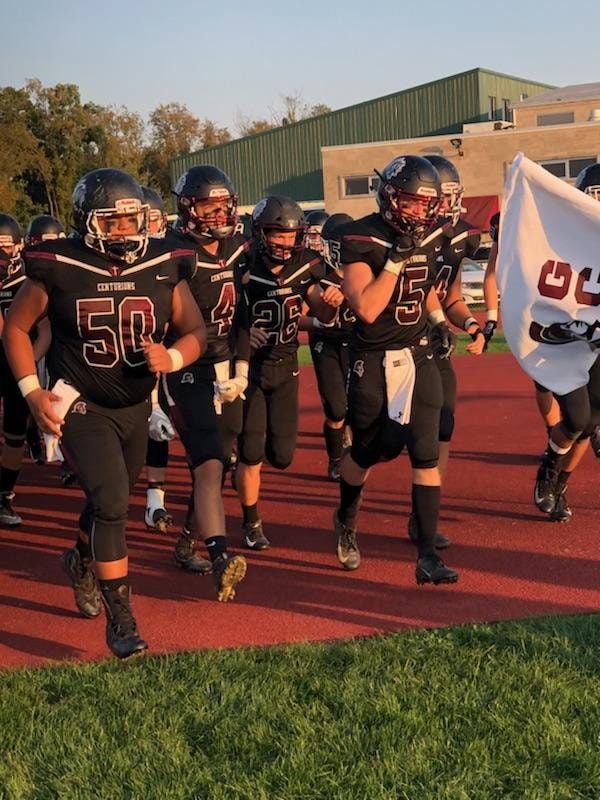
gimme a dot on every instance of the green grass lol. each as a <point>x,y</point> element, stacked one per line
<point>497,345</point>
<point>470,713</point>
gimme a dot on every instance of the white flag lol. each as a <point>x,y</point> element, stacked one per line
<point>548,273</point>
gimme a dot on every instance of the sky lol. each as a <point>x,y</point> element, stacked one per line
<point>226,60</point>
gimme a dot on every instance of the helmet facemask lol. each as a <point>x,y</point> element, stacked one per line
<point>413,215</point>
<point>313,237</point>
<point>157,223</point>
<point>593,192</point>
<point>12,259</point>
<point>127,247</point>
<point>452,200</point>
<point>277,252</point>
<point>218,223</point>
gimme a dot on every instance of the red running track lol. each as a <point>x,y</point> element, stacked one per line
<point>513,563</point>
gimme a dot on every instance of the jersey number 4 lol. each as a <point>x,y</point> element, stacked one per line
<point>109,336</point>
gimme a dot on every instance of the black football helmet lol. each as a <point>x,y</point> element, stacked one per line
<point>330,239</point>
<point>206,182</point>
<point>107,194</point>
<point>43,228</point>
<point>314,224</point>
<point>452,188</point>
<point>588,181</point>
<point>278,213</point>
<point>409,196</point>
<point>11,243</point>
<point>157,217</point>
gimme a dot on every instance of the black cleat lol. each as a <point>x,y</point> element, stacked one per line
<point>544,492</point>
<point>228,571</point>
<point>254,537</point>
<point>187,556</point>
<point>83,580</point>
<point>440,542</point>
<point>431,569</point>
<point>121,629</point>
<point>8,516</point>
<point>346,544</point>
<point>562,511</point>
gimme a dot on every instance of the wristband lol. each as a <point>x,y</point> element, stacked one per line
<point>395,267</point>
<point>468,322</point>
<point>29,384</point>
<point>492,315</point>
<point>176,359</point>
<point>435,317</point>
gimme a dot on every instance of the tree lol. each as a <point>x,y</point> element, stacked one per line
<point>174,131</point>
<point>248,127</point>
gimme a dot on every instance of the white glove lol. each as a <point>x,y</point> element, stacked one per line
<point>160,428</point>
<point>229,390</point>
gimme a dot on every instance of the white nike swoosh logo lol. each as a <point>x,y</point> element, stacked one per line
<point>429,356</point>
<point>162,277</point>
<point>295,374</point>
<point>303,282</point>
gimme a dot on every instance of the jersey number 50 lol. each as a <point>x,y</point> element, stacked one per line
<point>109,336</point>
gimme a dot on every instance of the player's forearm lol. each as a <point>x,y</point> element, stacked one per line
<point>19,350</point>
<point>370,301</point>
<point>190,346</point>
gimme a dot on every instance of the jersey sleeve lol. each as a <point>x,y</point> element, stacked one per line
<point>182,265</point>
<point>473,242</point>
<point>40,266</point>
<point>317,269</point>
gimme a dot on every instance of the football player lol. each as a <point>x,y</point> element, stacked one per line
<point>459,240</point>
<point>205,400</point>
<point>580,412</point>
<point>394,388</point>
<point>329,350</point>
<point>15,410</point>
<point>109,295</point>
<point>283,275</point>
<point>42,228</point>
<point>161,430</point>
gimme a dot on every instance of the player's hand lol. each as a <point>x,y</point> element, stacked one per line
<point>160,428</point>
<point>157,357</point>
<point>258,337</point>
<point>230,390</point>
<point>443,340</point>
<point>40,403</point>
<point>488,331</point>
<point>478,343</point>
<point>402,247</point>
<point>332,296</point>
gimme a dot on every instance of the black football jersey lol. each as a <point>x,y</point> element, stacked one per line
<point>342,325</point>
<point>102,311</point>
<point>10,283</point>
<point>404,320</point>
<point>217,288</point>
<point>458,242</point>
<point>275,300</point>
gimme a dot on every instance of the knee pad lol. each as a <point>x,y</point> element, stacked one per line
<point>107,540</point>
<point>14,441</point>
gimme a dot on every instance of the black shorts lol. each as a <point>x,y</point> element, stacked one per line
<point>270,425</point>
<point>189,396</point>
<point>580,409</point>
<point>375,437</point>
<point>14,406</point>
<point>448,409</point>
<point>330,357</point>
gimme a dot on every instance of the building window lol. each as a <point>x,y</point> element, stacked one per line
<point>559,118</point>
<point>493,109</point>
<point>360,185</point>
<point>506,109</point>
<point>568,168</point>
